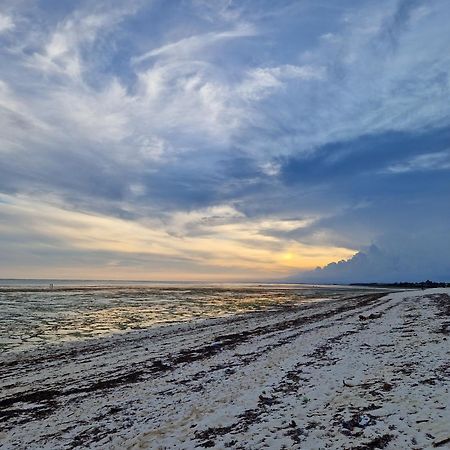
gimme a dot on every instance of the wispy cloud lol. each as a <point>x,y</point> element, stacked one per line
<point>190,46</point>
<point>239,243</point>
<point>6,23</point>
<point>427,161</point>
<point>211,122</point>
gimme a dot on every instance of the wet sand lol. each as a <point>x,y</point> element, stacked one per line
<point>370,371</point>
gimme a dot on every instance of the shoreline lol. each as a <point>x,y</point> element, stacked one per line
<point>36,320</point>
<point>298,377</point>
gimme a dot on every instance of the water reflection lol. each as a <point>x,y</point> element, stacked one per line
<point>33,317</point>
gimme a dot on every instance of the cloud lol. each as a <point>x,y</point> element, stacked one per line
<point>212,237</point>
<point>6,24</point>
<point>190,46</point>
<point>307,128</point>
<point>414,257</point>
<point>427,161</point>
<point>264,81</point>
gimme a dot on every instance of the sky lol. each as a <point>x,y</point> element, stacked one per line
<point>306,140</point>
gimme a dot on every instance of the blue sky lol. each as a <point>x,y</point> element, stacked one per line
<point>220,140</point>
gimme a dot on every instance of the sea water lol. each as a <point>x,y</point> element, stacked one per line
<point>34,313</point>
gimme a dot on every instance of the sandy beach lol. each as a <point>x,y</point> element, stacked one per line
<point>371,371</point>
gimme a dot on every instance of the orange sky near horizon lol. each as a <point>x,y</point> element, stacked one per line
<point>213,244</point>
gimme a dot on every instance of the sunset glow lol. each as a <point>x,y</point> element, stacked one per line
<point>224,140</point>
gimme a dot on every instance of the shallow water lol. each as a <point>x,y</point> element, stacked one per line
<point>32,314</point>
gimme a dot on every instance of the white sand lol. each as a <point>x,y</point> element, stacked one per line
<point>296,379</point>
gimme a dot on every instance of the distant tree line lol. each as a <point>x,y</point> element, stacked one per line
<point>407,285</point>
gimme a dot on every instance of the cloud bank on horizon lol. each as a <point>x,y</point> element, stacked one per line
<point>225,140</point>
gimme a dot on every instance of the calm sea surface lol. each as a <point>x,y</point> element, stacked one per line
<point>33,314</point>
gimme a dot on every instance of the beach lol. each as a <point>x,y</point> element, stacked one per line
<point>368,371</point>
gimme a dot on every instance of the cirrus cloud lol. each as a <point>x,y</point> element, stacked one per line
<point>285,131</point>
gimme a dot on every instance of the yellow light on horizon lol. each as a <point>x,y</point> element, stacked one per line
<point>236,247</point>
<point>287,256</point>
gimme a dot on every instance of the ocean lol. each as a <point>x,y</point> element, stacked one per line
<point>34,314</point>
